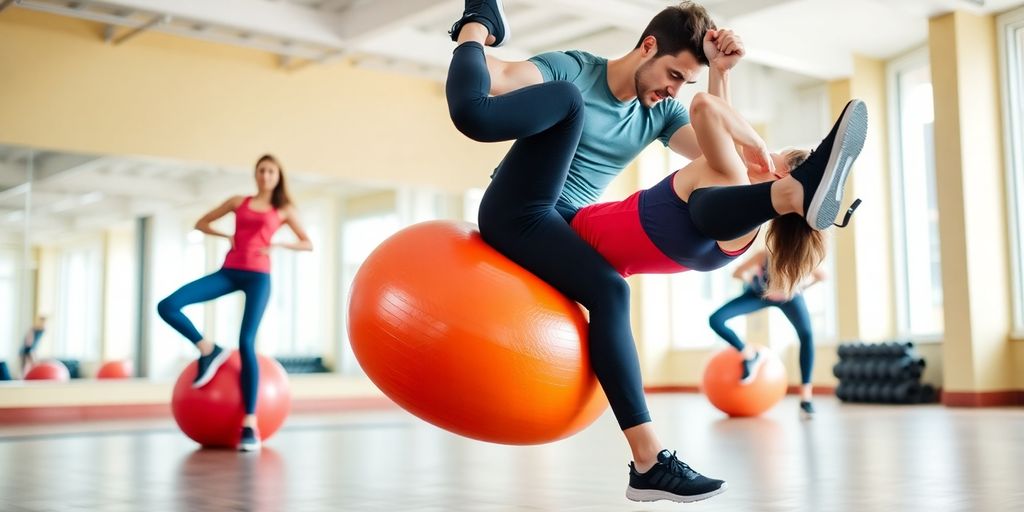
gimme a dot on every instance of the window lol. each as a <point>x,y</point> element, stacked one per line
<point>10,267</point>
<point>915,209</point>
<point>1011,34</point>
<point>79,298</point>
<point>359,237</point>
<point>294,323</point>
<point>820,300</point>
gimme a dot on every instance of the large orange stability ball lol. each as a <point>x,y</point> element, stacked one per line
<point>212,415</point>
<point>464,338</point>
<point>49,370</point>
<point>722,383</point>
<point>123,369</point>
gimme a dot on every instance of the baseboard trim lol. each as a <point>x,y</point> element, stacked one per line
<point>76,413</point>
<point>983,398</point>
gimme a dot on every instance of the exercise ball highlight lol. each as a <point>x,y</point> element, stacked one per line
<point>49,370</point>
<point>212,415</point>
<point>123,369</point>
<point>722,383</point>
<point>463,338</point>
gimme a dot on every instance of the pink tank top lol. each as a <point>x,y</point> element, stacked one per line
<point>253,231</point>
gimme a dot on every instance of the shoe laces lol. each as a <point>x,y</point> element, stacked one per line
<point>678,467</point>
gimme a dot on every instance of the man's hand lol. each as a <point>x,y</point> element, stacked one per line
<point>723,48</point>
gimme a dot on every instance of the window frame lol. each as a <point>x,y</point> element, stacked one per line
<point>1011,66</point>
<point>893,69</point>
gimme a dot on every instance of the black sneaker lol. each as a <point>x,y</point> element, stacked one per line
<point>488,13</point>
<point>823,175</point>
<point>750,368</point>
<point>208,365</point>
<point>806,410</point>
<point>671,479</point>
<point>250,440</point>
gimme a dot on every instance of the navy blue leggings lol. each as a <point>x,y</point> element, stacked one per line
<point>518,215</point>
<point>795,310</point>
<point>255,286</point>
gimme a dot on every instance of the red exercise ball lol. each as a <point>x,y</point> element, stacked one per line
<point>722,383</point>
<point>49,370</point>
<point>212,415</point>
<point>465,339</point>
<point>123,369</point>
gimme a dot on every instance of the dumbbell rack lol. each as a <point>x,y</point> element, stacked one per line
<point>887,373</point>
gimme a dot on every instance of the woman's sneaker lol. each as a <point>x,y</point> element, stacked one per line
<point>823,175</point>
<point>806,410</point>
<point>750,368</point>
<point>250,440</point>
<point>208,366</point>
<point>489,13</point>
<point>671,479</point>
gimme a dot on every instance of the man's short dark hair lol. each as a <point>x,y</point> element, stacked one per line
<point>680,27</point>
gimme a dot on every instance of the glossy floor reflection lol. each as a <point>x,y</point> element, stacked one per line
<point>850,458</point>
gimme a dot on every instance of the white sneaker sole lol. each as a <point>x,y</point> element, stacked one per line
<point>849,141</point>
<point>648,495</point>
<point>753,372</point>
<point>249,447</point>
<point>212,370</point>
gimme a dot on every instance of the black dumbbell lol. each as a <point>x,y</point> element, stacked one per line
<point>838,369</point>
<point>875,392</point>
<point>927,394</point>
<point>843,392</point>
<point>907,392</point>
<point>886,395</point>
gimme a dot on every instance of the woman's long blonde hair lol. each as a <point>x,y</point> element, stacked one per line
<point>795,248</point>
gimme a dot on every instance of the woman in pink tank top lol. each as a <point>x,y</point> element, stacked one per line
<point>246,269</point>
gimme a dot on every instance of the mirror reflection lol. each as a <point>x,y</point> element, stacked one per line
<point>91,245</point>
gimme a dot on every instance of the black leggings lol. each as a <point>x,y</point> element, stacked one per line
<point>518,216</point>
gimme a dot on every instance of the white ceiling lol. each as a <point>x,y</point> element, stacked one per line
<point>811,37</point>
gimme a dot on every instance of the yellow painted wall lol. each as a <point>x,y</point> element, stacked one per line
<point>971,196</point>
<point>161,95</point>
<point>845,240</point>
<point>864,251</point>
<point>1017,355</point>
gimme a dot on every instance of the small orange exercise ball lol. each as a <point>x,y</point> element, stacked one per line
<point>723,388</point>
<point>467,340</point>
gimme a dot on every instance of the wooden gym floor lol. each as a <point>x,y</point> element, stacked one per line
<point>849,458</point>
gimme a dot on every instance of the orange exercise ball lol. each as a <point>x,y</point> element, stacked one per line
<point>49,370</point>
<point>467,340</point>
<point>722,383</point>
<point>123,369</point>
<point>212,415</point>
